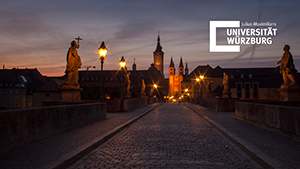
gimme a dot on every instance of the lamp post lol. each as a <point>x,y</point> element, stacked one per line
<point>122,64</point>
<point>200,84</point>
<point>155,87</point>
<point>102,50</point>
<point>197,81</point>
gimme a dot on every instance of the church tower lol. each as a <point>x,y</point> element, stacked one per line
<point>158,55</point>
<point>186,69</point>
<point>171,77</point>
<point>180,74</point>
<point>134,65</point>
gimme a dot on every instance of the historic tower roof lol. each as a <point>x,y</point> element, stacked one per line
<point>158,47</point>
<point>171,63</point>
<point>180,64</point>
<point>186,68</point>
<point>134,65</point>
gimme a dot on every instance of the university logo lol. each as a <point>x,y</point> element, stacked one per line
<point>261,34</point>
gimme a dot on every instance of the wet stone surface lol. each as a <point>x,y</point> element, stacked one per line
<point>171,136</point>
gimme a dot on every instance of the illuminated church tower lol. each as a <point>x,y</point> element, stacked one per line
<point>158,55</point>
<point>175,79</point>
<point>171,77</point>
<point>180,77</point>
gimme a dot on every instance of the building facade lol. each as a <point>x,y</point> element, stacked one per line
<point>17,87</point>
<point>244,83</point>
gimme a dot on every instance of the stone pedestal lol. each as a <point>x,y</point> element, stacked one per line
<point>289,93</point>
<point>70,94</point>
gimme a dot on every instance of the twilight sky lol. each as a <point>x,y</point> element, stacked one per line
<point>37,34</point>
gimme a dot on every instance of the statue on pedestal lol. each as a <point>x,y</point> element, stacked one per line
<point>289,90</point>
<point>127,85</point>
<point>73,64</point>
<point>287,67</point>
<point>143,94</point>
<point>208,86</point>
<point>226,92</point>
<point>70,90</point>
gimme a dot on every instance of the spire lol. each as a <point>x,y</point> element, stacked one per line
<point>180,64</point>
<point>158,47</point>
<point>158,39</point>
<point>186,69</point>
<point>171,62</point>
<point>134,65</point>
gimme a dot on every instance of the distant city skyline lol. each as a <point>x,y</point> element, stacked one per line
<point>37,34</point>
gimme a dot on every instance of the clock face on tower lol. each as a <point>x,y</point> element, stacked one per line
<point>157,63</point>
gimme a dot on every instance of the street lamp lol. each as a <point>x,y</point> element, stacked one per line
<point>201,77</point>
<point>122,64</point>
<point>102,50</point>
<point>155,86</point>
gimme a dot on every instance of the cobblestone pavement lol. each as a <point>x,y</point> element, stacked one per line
<point>171,136</point>
<point>42,152</point>
<point>275,145</point>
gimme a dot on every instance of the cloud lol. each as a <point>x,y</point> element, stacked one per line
<point>20,23</point>
<point>134,28</point>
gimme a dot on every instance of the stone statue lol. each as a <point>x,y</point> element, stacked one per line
<point>73,64</point>
<point>127,82</point>
<point>287,67</point>
<point>226,93</point>
<point>225,83</point>
<point>208,87</point>
<point>143,88</point>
